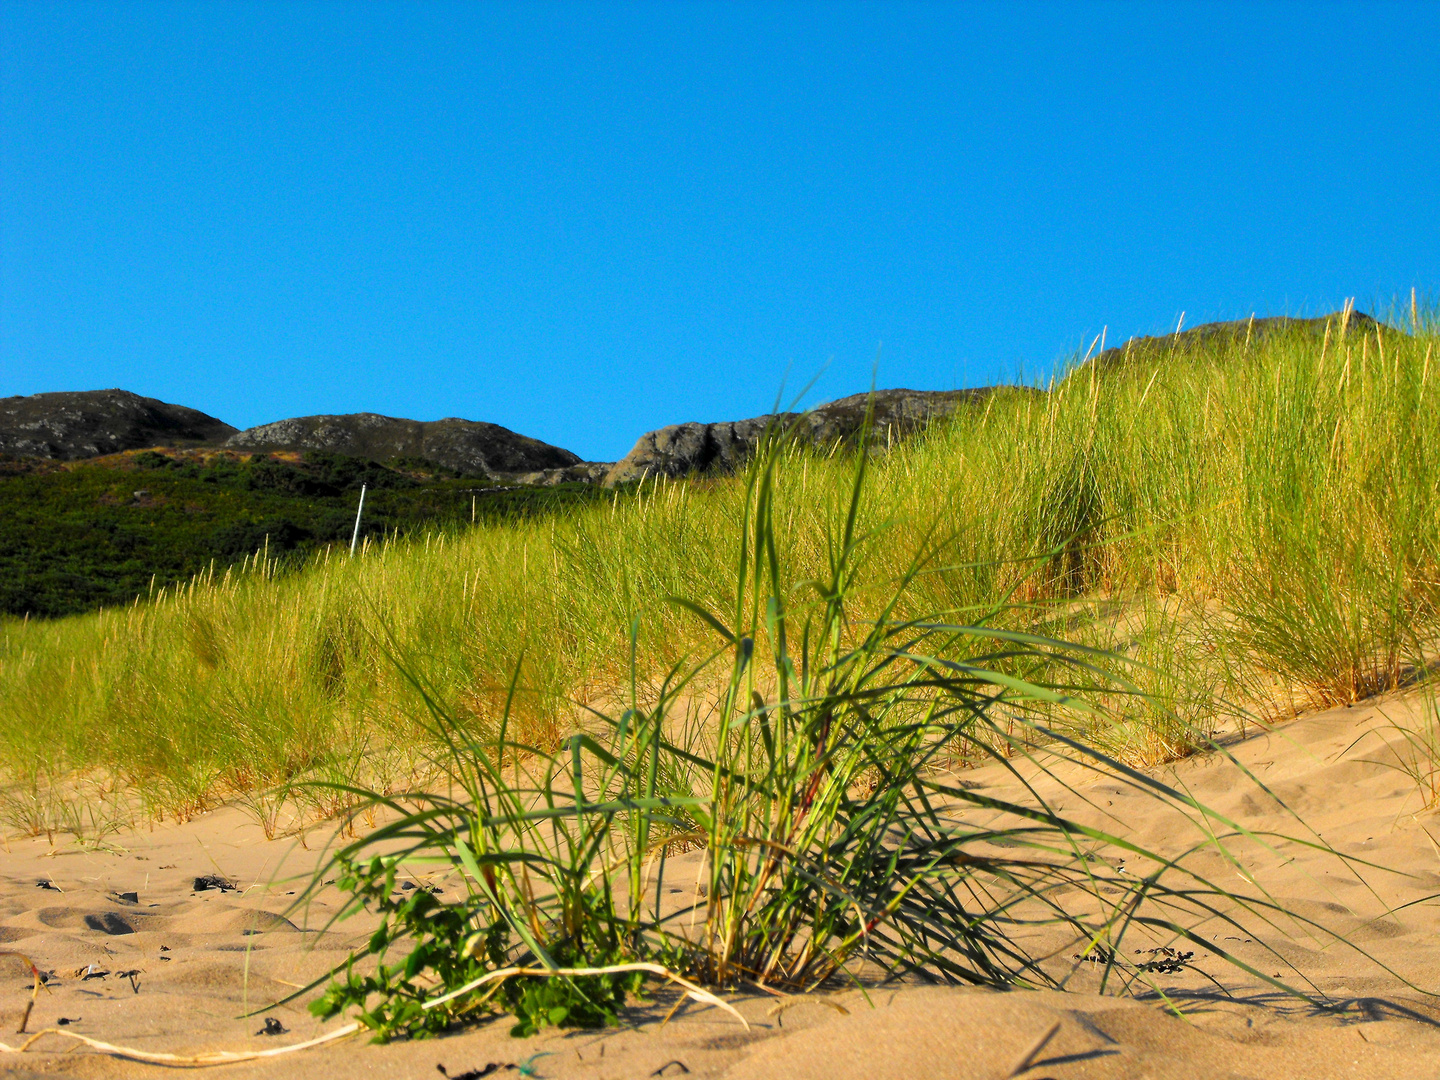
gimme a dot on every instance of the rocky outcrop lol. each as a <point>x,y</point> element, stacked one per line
<point>467,446</point>
<point>88,423</point>
<point>1217,336</point>
<point>587,472</point>
<point>683,449</point>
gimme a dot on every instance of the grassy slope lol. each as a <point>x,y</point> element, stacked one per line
<point>1247,523</point>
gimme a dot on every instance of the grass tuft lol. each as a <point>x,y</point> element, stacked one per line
<point>791,787</point>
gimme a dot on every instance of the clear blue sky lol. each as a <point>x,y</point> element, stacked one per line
<point>583,221</point>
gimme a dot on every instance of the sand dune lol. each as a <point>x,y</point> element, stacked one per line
<point>140,958</point>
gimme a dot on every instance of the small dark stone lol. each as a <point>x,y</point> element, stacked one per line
<point>272,1027</point>
<point>128,897</point>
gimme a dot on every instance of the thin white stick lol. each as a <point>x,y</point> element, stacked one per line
<point>229,1057</point>
<point>358,511</point>
<point>192,1061</point>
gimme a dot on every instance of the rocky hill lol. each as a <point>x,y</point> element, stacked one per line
<point>83,424</point>
<point>67,426</point>
<point>470,447</point>
<point>682,449</point>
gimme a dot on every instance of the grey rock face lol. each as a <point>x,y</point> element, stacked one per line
<point>89,423</point>
<point>1218,335</point>
<point>587,472</point>
<point>682,449</point>
<point>469,446</point>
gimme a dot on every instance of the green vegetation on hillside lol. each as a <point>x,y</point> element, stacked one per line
<point>101,533</point>
<point>1255,526</point>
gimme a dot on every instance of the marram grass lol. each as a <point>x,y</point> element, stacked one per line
<point>835,842</point>
<point>1256,527</point>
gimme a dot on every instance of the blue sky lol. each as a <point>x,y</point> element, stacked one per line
<point>583,221</point>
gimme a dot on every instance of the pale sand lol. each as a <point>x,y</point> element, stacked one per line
<point>189,997</point>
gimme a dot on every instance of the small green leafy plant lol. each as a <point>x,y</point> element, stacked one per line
<point>444,948</point>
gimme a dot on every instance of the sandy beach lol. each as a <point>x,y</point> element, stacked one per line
<point>138,957</point>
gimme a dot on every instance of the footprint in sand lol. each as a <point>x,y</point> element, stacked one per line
<point>109,923</point>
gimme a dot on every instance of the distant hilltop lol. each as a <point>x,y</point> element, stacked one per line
<point>90,423</point>
<point>686,449</point>
<point>67,426</point>
<point>682,449</point>
<point>470,447</point>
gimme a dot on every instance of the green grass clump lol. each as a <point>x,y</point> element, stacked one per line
<point>835,842</point>
<point>1255,523</point>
